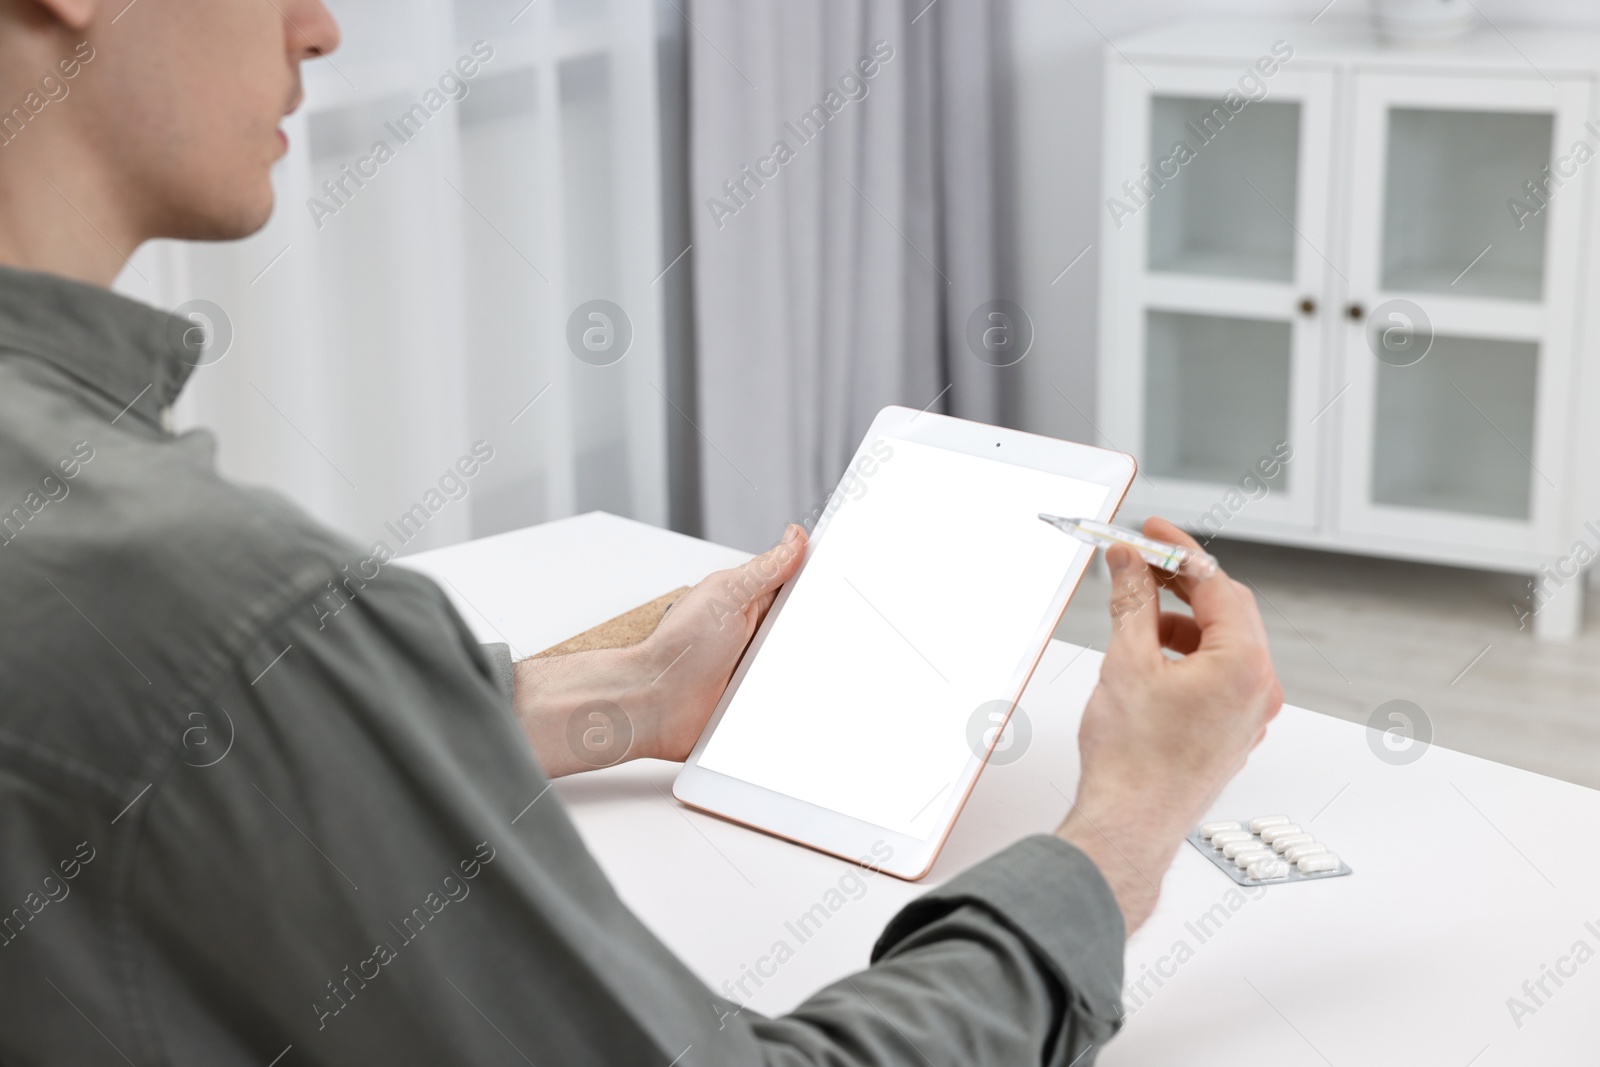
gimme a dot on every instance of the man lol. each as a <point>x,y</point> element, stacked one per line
<point>235,826</point>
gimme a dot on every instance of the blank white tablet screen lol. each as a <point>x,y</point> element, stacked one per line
<point>918,605</point>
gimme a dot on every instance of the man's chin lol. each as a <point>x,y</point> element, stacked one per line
<point>224,222</point>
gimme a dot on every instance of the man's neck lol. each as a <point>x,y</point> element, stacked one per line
<point>56,214</point>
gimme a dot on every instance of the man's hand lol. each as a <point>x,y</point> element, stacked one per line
<point>694,651</point>
<point>1161,737</point>
<point>594,709</point>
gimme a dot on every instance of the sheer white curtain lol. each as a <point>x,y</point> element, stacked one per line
<point>846,232</point>
<point>410,310</point>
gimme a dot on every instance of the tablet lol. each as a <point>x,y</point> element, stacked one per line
<point>888,667</point>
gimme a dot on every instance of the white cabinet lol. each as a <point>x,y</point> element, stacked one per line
<point>1343,287</point>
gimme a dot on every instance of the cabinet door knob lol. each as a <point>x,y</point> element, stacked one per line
<point>1308,306</point>
<point>1356,312</point>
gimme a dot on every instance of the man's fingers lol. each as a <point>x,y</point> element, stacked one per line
<point>1135,606</point>
<point>751,585</point>
<point>1216,600</point>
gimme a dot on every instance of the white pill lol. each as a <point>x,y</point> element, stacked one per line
<point>1283,843</point>
<point>1295,853</point>
<point>1322,861</point>
<point>1260,821</point>
<point>1229,836</point>
<point>1272,833</point>
<point>1264,869</point>
<point>1231,849</point>
<point>1208,830</point>
<point>1252,855</point>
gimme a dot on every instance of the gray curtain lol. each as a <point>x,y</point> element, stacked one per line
<point>846,196</point>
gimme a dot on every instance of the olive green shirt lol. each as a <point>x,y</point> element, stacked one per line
<point>237,828</point>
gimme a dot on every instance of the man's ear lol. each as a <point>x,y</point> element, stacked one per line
<point>74,14</point>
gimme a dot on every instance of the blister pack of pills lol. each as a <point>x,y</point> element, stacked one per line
<point>1267,849</point>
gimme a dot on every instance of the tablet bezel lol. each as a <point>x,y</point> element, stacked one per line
<point>841,835</point>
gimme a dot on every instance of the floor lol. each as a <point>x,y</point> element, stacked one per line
<point>1349,634</point>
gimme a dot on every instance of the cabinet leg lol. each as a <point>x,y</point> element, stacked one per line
<point>1560,614</point>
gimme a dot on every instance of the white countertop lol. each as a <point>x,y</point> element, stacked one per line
<point>1470,877</point>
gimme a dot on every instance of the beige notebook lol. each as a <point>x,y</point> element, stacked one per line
<point>626,629</point>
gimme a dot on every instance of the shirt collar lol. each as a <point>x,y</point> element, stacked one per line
<point>132,353</point>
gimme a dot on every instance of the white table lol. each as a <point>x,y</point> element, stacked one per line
<point>1470,877</point>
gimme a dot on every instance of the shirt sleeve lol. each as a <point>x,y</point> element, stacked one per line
<point>375,872</point>
<point>499,655</point>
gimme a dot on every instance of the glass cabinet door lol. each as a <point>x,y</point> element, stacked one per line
<point>1216,285</point>
<point>1458,341</point>
<point>1199,365</point>
<point>1447,180</point>
<point>1219,216</point>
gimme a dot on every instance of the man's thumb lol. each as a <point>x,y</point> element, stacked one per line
<point>777,564</point>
